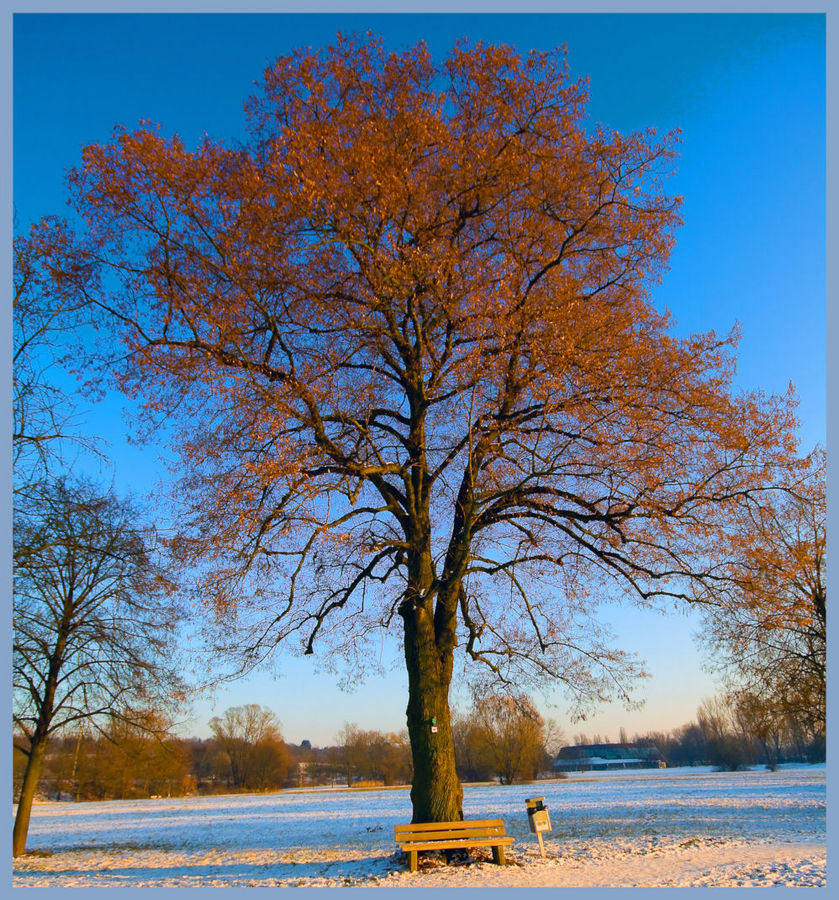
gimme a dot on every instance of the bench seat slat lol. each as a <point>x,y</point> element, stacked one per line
<point>457,842</point>
<point>453,833</point>
<point>463,823</point>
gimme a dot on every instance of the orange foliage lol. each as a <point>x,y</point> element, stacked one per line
<point>405,340</point>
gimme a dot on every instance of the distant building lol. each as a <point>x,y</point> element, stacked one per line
<point>597,757</point>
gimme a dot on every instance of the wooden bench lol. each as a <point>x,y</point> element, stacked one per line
<point>452,836</point>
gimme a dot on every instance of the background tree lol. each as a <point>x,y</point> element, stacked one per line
<point>126,759</point>
<point>507,735</point>
<point>554,740</point>
<point>406,337</point>
<point>138,757</point>
<point>92,620</point>
<point>690,746</point>
<point>351,750</point>
<point>727,746</point>
<point>471,762</point>
<point>321,767</point>
<point>387,757</point>
<point>372,756</point>
<point>764,722</point>
<point>250,737</point>
<point>766,621</point>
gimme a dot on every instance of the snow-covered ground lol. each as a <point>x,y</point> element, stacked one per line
<point>672,827</point>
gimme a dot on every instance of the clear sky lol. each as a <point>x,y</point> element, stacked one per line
<point>747,92</point>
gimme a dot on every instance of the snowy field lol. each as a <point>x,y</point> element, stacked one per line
<point>673,827</point>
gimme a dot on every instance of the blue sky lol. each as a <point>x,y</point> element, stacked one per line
<point>747,92</point>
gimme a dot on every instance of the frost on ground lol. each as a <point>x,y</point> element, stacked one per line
<point>675,827</point>
<point>706,862</point>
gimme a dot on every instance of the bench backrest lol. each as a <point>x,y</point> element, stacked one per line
<point>444,831</point>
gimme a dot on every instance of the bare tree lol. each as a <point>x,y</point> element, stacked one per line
<point>390,757</point>
<point>766,619</point>
<point>250,736</point>
<point>763,720</point>
<point>726,745</point>
<point>351,750</point>
<point>472,764</point>
<point>93,618</point>
<point>555,737</point>
<point>138,757</point>
<point>507,733</point>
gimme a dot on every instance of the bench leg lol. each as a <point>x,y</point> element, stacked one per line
<point>498,855</point>
<point>412,860</point>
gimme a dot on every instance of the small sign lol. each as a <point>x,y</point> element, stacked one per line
<point>541,824</point>
<point>540,821</point>
<point>434,729</point>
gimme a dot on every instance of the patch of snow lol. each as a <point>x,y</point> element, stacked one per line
<point>669,827</point>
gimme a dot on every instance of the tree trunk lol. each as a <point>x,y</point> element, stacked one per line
<point>436,792</point>
<point>38,747</point>
<point>74,778</point>
<point>31,777</point>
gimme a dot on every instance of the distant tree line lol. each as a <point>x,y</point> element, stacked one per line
<point>246,752</point>
<point>732,731</point>
<point>501,737</point>
<point>122,761</point>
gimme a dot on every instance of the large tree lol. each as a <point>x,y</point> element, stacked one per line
<point>405,340</point>
<point>92,622</point>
